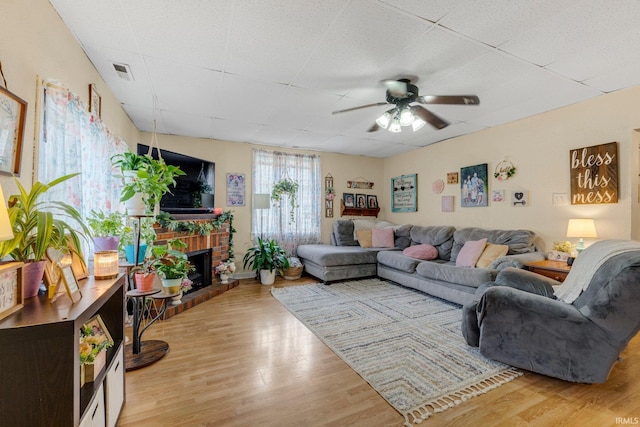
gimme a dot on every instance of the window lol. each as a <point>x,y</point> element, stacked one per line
<point>272,166</point>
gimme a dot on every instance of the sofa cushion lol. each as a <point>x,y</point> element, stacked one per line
<point>423,252</point>
<point>382,238</point>
<point>343,233</point>
<point>402,236</point>
<point>519,241</point>
<point>450,273</point>
<point>328,255</point>
<point>397,260</point>
<point>470,253</point>
<point>364,238</point>
<point>491,253</point>
<point>440,237</point>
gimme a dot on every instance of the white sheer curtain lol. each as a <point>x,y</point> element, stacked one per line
<point>272,166</point>
<point>74,140</point>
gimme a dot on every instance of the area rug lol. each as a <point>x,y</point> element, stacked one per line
<point>406,344</point>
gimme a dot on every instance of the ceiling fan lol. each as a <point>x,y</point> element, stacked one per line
<point>403,93</point>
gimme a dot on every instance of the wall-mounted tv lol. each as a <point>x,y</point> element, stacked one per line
<point>186,195</point>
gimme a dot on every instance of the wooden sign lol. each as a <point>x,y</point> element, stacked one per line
<point>594,174</point>
<point>404,193</point>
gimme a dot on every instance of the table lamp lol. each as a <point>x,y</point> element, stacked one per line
<point>581,228</point>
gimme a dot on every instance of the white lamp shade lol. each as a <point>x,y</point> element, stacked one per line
<point>261,201</point>
<point>582,228</point>
<point>6,231</point>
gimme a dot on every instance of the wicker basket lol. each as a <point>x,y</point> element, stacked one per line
<point>293,273</point>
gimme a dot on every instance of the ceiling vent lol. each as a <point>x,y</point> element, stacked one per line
<point>123,71</point>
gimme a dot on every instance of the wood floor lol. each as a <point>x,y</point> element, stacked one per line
<point>241,359</point>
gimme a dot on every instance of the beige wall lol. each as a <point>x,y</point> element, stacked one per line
<point>539,147</point>
<point>36,45</point>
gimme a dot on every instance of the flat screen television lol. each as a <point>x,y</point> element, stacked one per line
<point>185,196</point>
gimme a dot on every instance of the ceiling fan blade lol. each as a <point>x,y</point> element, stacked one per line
<point>374,128</point>
<point>377,104</point>
<point>429,117</point>
<point>449,99</point>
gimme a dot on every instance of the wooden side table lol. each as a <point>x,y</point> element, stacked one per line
<point>556,270</point>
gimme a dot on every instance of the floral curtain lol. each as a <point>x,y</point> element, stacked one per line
<point>74,140</point>
<point>270,167</point>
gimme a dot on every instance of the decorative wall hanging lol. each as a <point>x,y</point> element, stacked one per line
<point>452,178</point>
<point>95,101</point>
<point>497,195</point>
<point>437,186</point>
<point>365,184</point>
<point>12,116</point>
<point>474,186</point>
<point>447,203</point>
<point>519,198</point>
<point>594,174</point>
<point>235,189</point>
<point>404,193</point>
<point>504,170</point>
<point>329,195</point>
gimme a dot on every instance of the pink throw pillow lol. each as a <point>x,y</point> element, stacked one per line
<point>424,252</point>
<point>470,252</point>
<point>382,238</point>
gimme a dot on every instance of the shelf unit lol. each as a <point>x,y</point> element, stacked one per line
<point>358,211</point>
<point>39,362</point>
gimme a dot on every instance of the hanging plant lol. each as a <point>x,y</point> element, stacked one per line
<point>288,187</point>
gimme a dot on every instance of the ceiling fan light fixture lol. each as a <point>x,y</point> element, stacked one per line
<point>395,126</point>
<point>417,124</point>
<point>384,120</point>
<point>406,117</point>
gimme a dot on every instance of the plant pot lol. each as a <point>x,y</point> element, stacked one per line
<point>129,249</point>
<point>267,277</point>
<point>177,300</point>
<point>144,283</point>
<point>206,200</point>
<point>224,278</point>
<point>135,205</point>
<point>32,277</point>
<point>91,371</point>
<point>107,243</point>
<point>171,286</point>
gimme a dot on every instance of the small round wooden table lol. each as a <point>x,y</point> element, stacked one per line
<point>140,353</point>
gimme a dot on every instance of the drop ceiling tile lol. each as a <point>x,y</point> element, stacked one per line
<point>197,35</point>
<point>298,108</point>
<point>244,98</point>
<point>573,30</point>
<point>274,135</point>
<point>308,140</point>
<point>616,80</point>
<point>233,130</point>
<point>272,40</point>
<point>186,124</point>
<point>432,10</point>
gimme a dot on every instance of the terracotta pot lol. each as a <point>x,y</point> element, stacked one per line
<point>144,283</point>
<point>32,277</point>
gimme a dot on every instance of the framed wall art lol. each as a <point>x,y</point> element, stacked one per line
<point>11,289</point>
<point>372,202</point>
<point>594,174</point>
<point>474,186</point>
<point>348,200</point>
<point>95,101</point>
<point>404,193</point>
<point>447,203</point>
<point>235,189</point>
<point>361,201</point>
<point>12,117</point>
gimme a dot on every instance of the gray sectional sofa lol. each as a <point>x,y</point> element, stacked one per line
<point>345,259</point>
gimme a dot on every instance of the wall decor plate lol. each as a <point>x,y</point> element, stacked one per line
<point>437,186</point>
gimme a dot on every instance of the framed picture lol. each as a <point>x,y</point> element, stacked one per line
<point>348,200</point>
<point>519,198</point>
<point>372,202</point>
<point>452,178</point>
<point>447,203</point>
<point>497,195</point>
<point>78,264</point>
<point>95,101</point>
<point>12,117</point>
<point>70,283</point>
<point>236,185</point>
<point>11,289</point>
<point>404,193</point>
<point>361,201</point>
<point>474,186</point>
<point>99,329</point>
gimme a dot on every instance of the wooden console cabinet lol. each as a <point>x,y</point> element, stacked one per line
<point>40,366</point>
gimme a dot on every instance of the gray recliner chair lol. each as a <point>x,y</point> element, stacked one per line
<point>517,320</point>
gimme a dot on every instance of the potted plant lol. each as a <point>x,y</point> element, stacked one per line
<point>287,187</point>
<point>172,264</point>
<point>145,178</point>
<point>36,228</point>
<point>144,275</point>
<point>107,229</point>
<point>225,270</point>
<point>147,237</point>
<point>266,257</point>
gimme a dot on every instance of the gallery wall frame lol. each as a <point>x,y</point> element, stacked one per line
<point>13,110</point>
<point>404,193</point>
<point>474,186</point>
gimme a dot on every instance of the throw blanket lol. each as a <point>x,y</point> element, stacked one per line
<point>586,265</point>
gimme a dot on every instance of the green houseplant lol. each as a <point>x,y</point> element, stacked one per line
<point>172,264</point>
<point>38,225</point>
<point>107,229</point>
<point>147,237</point>
<point>266,257</point>
<point>286,187</point>
<point>146,178</point>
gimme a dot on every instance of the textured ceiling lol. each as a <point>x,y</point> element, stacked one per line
<point>272,71</point>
